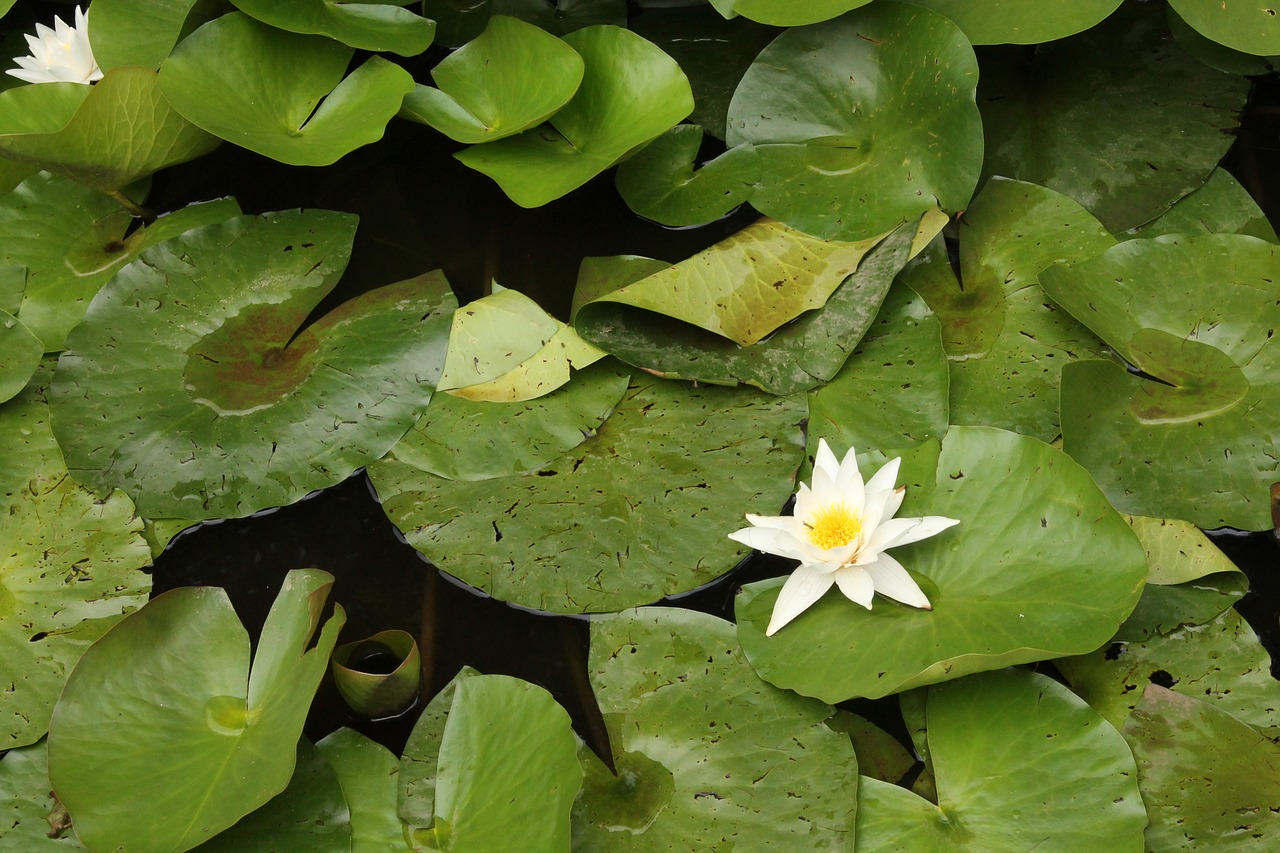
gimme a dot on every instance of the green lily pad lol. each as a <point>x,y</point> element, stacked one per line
<point>797,357</point>
<point>1221,662</point>
<point>28,809</point>
<point>631,93</point>
<point>68,566</point>
<point>71,240</point>
<point>634,513</point>
<point>137,32</point>
<point>377,694</point>
<point>375,25</point>
<point>1210,782</point>
<point>1251,26</point>
<point>20,353</point>
<point>1220,206</point>
<point>1020,763</point>
<point>1006,340</point>
<point>76,130</point>
<point>238,411</point>
<point>1021,21</point>
<point>708,756</point>
<point>460,22</point>
<point>466,440</point>
<point>490,766</point>
<point>862,123</point>
<point>1118,118</point>
<point>310,814</point>
<point>369,775</point>
<point>660,182</point>
<point>892,392</point>
<point>996,599</point>
<point>262,89</point>
<point>786,13</point>
<point>206,741</point>
<point>1194,437</point>
<point>1217,55</point>
<point>880,755</point>
<point>485,91</point>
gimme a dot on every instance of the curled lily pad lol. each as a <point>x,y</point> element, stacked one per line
<point>489,766</point>
<point>1022,21</point>
<point>281,94</point>
<point>660,182</point>
<point>75,130</point>
<point>1251,26</point>
<point>375,26</point>
<point>636,512</point>
<point>371,690</point>
<point>631,93</point>
<point>1118,118</point>
<point>996,600</point>
<point>704,750</point>
<point>238,410</point>
<point>137,32</point>
<point>786,13</point>
<point>208,740</point>
<point>862,123</point>
<point>1194,437</point>
<point>1020,762</point>
<point>484,90</point>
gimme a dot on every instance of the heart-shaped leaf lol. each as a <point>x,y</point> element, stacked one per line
<point>996,599</point>
<point>862,123</point>
<point>374,25</point>
<point>484,90</point>
<point>238,410</point>
<point>1020,762</point>
<point>262,89</point>
<point>659,182</point>
<point>1022,21</point>
<point>204,740</point>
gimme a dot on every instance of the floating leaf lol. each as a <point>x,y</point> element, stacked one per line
<point>636,512</point>
<point>80,131</point>
<point>631,93</point>
<point>460,23</point>
<point>880,754</point>
<point>490,766</point>
<point>137,32</point>
<point>28,810</point>
<point>368,773</point>
<point>377,693</point>
<point>1117,118</point>
<point>1020,762</point>
<point>786,13</point>
<point>705,751</point>
<point>1193,438</point>
<point>1021,21</point>
<point>862,123</point>
<point>485,91</point>
<point>1251,26</point>
<point>262,88</point>
<point>1006,340</point>
<point>1220,206</point>
<point>20,353</point>
<point>207,741</point>
<point>659,182</point>
<point>1209,780</point>
<point>237,410</point>
<point>380,25</point>
<point>996,600</point>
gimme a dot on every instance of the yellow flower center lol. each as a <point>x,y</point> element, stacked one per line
<point>833,526</point>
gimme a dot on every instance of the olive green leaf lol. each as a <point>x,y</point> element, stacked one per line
<point>32,818</point>
<point>369,775</point>
<point>880,755</point>
<point>704,750</point>
<point>20,353</point>
<point>1021,21</point>
<point>377,692</point>
<point>862,123</point>
<point>996,600</point>
<point>105,136</point>
<point>1118,118</point>
<point>660,183</point>
<point>1251,26</point>
<point>786,13</point>
<point>631,93</point>
<point>1219,206</point>
<point>238,410</point>
<point>208,740</point>
<point>485,91</point>
<point>374,25</point>
<point>283,95</point>
<point>1020,762</point>
<point>1217,55</point>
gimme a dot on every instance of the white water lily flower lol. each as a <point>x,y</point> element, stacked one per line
<point>839,533</point>
<point>59,55</point>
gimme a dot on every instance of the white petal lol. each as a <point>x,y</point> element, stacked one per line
<point>825,461</point>
<point>873,514</point>
<point>849,480</point>
<point>803,588</point>
<point>930,525</point>
<point>856,585</point>
<point>893,503</point>
<point>891,533</point>
<point>806,503</point>
<point>773,541</point>
<point>891,579</point>
<point>29,76</point>
<point>886,478</point>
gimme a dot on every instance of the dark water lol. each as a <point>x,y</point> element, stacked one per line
<point>421,210</point>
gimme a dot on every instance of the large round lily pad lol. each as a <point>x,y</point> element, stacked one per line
<point>659,182</point>
<point>210,403</point>
<point>163,736</point>
<point>862,123</point>
<point>1022,21</point>
<point>636,512</point>
<point>1251,26</point>
<point>1194,438</point>
<point>1118,118</point>
<point>1039,566</point>
<point>381,25</point>
<point>1021,764</point>
<point>708,757</point>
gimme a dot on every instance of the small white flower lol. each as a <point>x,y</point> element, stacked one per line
<point>839,533</point>
<point>59,55</point>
